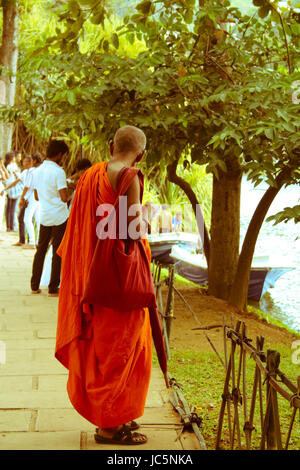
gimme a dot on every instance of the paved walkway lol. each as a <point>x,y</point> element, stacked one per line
<point>35,412</point>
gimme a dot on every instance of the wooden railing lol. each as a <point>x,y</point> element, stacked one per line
<point>234,398</point>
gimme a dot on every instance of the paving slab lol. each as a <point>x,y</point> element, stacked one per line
<point>34,399</point>
<point>12,324</point>
<point>32,368</point>
<point>40,440</point>
<point>13,355</point>
<point>34,343</point>
<point>62,420</point>
<point>14,420</point>
<point>17,383</point>
<point>45,331</point>
<point>17,335</point>
<point>54,383</point>
<point>48,317</point>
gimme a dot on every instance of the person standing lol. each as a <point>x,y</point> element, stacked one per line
<point>107,352</point>
<point>31,206</point>
<point>14,192</point>
<point>177,222</point>
<point>27,163</point>
<point>20,164</point>
<point>81,167</point>
<point>50,188</point>
<point>165,220</point>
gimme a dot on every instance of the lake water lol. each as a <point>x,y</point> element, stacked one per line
<point>282,243</point>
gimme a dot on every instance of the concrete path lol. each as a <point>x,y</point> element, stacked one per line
<point>35,412</point>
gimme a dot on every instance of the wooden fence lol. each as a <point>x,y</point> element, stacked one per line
<point>235,401</point>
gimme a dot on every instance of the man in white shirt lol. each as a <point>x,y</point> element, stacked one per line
<point>20,178</point>
<point>32,207</point>
<point>50,188</point>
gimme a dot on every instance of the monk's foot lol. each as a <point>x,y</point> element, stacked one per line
<point>119,435</point>
<point>108,432</point>
<point>131,425</point>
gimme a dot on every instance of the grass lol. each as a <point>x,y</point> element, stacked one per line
<point>202,376</point>
<point>180,281</point>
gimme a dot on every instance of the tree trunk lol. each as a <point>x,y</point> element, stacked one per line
<point>239,291</point>
<point>8,60</point>
<point>225,231</point>
<point>184,185</point>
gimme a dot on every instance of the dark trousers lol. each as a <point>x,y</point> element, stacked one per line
<point>10,213</point>
<point>54,233</point>
<point>21,225</point>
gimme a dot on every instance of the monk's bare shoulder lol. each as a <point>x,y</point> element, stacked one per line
<point>113,170</point>
<point>133,192</point>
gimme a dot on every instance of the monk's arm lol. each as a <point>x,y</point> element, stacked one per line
<point>134,210</point>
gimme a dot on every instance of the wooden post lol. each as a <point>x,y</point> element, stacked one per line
<point>226,393</point>
<point>293,416</point>
<point>169,312</point>
<point>273,360</point>
<point>259,346</point>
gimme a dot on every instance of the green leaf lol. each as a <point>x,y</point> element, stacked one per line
<point>189,16</point>
<point>98,17</point>
<point>87,3</point>
<point>269,133</point>
<point>264,11</point>
<point>115,40</point>
<point>93,126</point>
<point>258,3</point>
<point>74,8</point>
<point>215,172</point>
<point>144,7</point>
<point>222,165</point>
<point>105,45</point>
<point>71,97</point>
<point>131,38</point>
<point>295,28</point>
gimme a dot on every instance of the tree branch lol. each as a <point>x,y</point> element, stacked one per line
<point>185,186</point>
<point>285,37</point>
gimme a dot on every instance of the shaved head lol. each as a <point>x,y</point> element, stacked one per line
<point>129,139</point>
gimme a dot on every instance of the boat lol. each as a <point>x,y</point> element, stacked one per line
<point>182,250</point>
<point>161,244</point>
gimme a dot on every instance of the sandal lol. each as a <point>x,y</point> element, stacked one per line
<point>122,437</point>
<point>133,426</point>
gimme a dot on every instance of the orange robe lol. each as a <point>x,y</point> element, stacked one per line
<point>108,353</point>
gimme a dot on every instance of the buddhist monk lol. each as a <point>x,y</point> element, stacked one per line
<point>107,352</point>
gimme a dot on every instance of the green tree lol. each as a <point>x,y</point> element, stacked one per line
<point>206,83</point>
<point>8,66</point>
